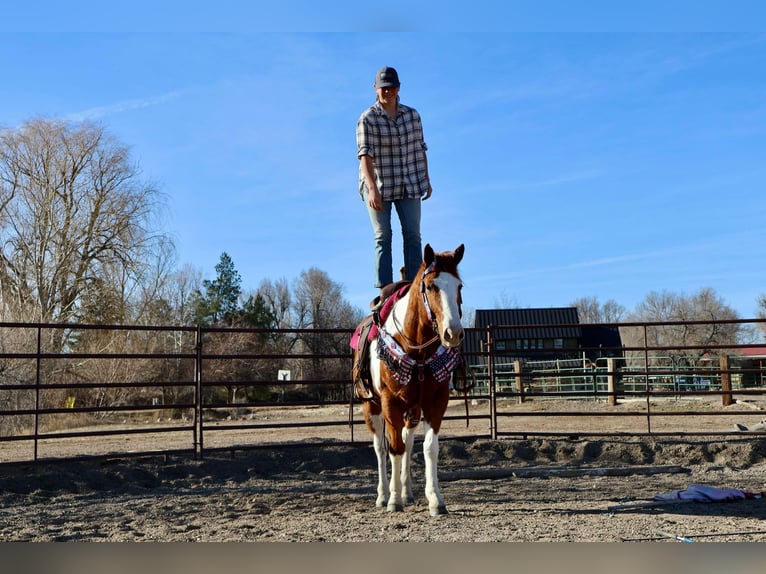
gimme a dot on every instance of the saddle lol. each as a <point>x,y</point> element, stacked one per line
<point>366,331</point>
<point>385,292</point>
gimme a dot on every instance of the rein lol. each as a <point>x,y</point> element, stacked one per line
<point>410,344</point>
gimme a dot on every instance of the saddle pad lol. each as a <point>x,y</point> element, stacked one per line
<point>383,314</point>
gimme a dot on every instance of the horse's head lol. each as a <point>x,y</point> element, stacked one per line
<point>440,288</point>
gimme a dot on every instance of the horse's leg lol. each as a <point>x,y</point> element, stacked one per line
<point>408,436</point>
<point>377,426</point>
<point>379,444</point>
<point>436,504</point>
<point>396,449</point>
<point>395,503</point>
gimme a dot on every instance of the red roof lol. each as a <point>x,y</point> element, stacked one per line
<point>750,352</point>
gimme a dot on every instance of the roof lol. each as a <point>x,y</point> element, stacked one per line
<point>554,323</point>
<point>750,352</point>
<point>539,323</point>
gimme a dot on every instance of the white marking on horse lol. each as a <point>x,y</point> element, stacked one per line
<point>449,292</point>
<point>397,407</point>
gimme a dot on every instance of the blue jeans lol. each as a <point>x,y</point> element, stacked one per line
<point>408,211</point>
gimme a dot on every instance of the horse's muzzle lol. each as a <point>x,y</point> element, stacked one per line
<point>452,337</point>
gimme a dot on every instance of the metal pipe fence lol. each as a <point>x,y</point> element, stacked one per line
<point>73,391</point>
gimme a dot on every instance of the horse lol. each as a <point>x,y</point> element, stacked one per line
<point>411,359</point>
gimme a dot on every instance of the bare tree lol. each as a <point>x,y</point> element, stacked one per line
<point>180,291</point>
<point>159,296</point>
<point>705,307</point>
<point>14,372</point>
<point>74,217</point>
<point>277,296</point>
<point>589,310</point>
<point>318,304</point>
<point>167,299</point>
<point>612,312</point>
<point>279,301</point>
<point>506,301</point>
<point>762,312</point>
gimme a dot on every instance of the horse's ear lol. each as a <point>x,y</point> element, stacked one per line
<point>428,254</point>
<point>459,253</point>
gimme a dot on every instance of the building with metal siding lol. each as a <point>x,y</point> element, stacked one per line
<point>539,334</point>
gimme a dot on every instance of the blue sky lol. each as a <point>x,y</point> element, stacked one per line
<point>570,163</point>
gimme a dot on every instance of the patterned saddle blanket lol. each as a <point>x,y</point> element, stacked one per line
<point>367,331</point>
<point>402,366</point>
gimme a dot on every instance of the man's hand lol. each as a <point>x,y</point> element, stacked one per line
<point>375,199</point>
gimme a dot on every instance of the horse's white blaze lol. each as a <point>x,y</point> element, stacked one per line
<point>449,292</point>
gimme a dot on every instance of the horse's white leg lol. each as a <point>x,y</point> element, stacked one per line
<point>408,436</point>
<point>379,444</point>
<point>436,504</point>
<point>395,499</point>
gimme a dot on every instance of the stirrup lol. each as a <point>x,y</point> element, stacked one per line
<point>363,390</point>
<point>377,304</point>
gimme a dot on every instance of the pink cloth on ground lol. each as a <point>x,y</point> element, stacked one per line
<point>703,493</point>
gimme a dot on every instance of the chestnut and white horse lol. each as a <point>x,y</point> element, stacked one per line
<point>411,362</point>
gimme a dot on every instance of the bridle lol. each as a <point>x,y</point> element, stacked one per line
<point>429,313</point>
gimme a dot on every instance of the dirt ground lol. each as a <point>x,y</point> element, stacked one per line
<point>566,489</point>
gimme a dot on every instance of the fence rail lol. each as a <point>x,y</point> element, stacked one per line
<point>71,390</point>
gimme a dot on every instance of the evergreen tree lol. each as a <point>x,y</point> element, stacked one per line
<point>255,313</point>
<point>220,302</point>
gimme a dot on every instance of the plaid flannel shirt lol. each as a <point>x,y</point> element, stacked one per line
<point>398,151</point>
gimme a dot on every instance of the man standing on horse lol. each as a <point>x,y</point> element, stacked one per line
<point>393,171</point>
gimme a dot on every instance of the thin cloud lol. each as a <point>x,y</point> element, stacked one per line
<point>562,179</point>
<point>591,263</point>
<point>701,246</point>
<point>124,106</point>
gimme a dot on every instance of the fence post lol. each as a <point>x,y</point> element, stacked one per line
<point>519,382</point>
<point>726,397</point>
<point>492,384</point>
<point>38,367</point>
<point>611,387</point>
<point>198,392</point>
<point>648,382</point>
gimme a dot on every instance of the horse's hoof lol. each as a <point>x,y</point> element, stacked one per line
<point>438,511</point>
<point>380,504</point>
<point>395,508</point>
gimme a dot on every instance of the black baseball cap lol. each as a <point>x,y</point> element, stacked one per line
<point>387,78</point>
